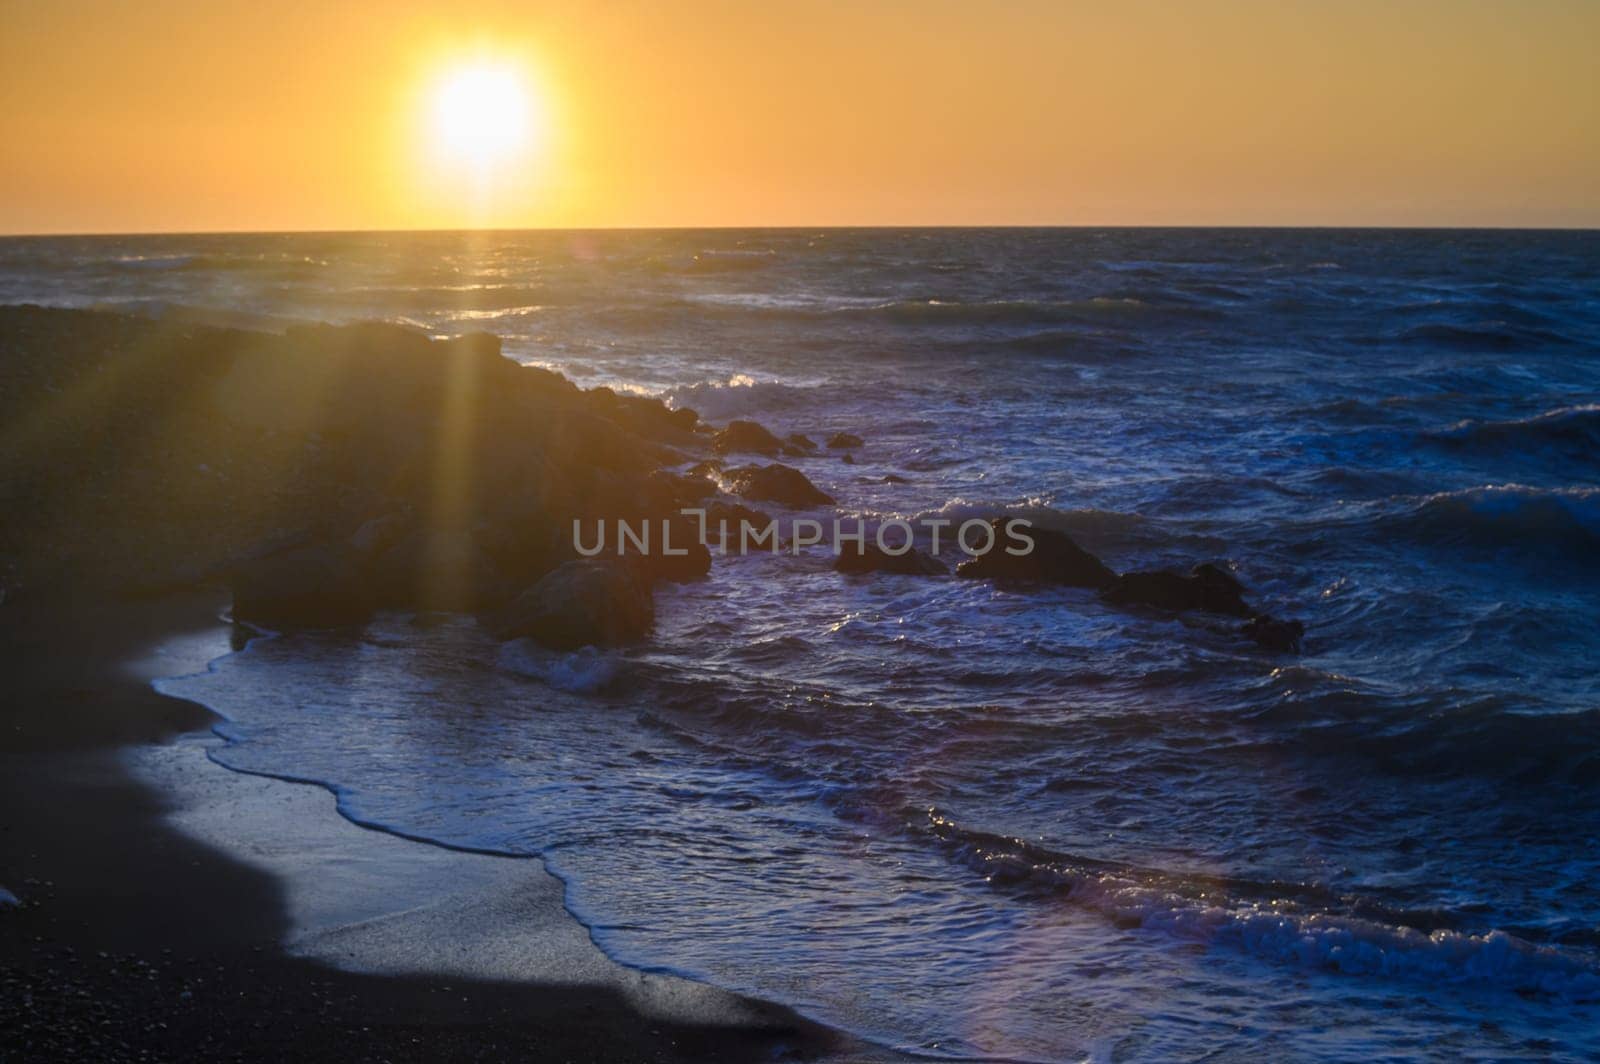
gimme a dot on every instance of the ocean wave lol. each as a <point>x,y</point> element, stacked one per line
<point>1098,311</point>
<point>1509,515</point>
<point>582,671</point>
<point>1128,311</point>
<point>196,314</point>
<point>200,262</point>
<point>736,396</point>
<point>1445,732</point>
<point>448,299</point>
<point>1283,923</point>
<point>1512,519</point>
<point>1569,428</point>
<point>1094,528</point>
<point>1494,311</point>
<point>153,262</point>
<point>1484,336</point>
<point>728,260</point>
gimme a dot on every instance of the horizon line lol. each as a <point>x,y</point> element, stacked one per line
<point>1232,226</point>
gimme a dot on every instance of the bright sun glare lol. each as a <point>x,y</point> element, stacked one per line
<point>483,115</point>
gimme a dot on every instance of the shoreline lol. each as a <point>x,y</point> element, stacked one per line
<point>143,931</point>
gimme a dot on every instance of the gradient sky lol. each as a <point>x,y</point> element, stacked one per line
<point>167,116</point>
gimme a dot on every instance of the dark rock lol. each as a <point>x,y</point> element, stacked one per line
<point>733,513</point>
<point>524,546</point>
<point>1280,636</point>
<point>848,459</point>
<point>746,437</point>
<point>735,517</point>
<point>895,478</point>
<point>378,535</point>
<point>1206,588</point>
<point>802,441</point>
<point>309,587</point>
<point>776,483</point>
<point>437,570</point>
<point>581,603</point>
<point>683,534</point>
<point>649,418</point>
<point>871,558</point>
<point>1054,559</point>
<point>708,468</point>
<point>844,440</point>
<point>309,432</point>
<point>673,491</point>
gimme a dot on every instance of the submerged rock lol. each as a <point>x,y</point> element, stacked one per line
<point>581,603</point>
<point>1054,559</point>
<point>308,587</point>
<point>801,441</point>
<point>746,437</point>
<point>844,440</point>
<point>776,483</point>
<point>1206,587</point>
<point>1272,634</point>
<point>870,558</point>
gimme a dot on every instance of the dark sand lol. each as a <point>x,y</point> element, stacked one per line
<point>134,941</point>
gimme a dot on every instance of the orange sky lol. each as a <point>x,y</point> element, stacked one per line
<point>158,116</point>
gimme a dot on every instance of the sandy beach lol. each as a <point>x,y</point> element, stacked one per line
<point>171,907</point>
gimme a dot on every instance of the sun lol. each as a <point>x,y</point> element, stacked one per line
<point>484,115</point>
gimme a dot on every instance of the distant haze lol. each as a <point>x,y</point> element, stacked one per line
<point>119,117</point>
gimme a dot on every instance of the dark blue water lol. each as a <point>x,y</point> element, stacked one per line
<point>976,821</point>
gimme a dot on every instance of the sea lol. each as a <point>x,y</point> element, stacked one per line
<point>971,821</point>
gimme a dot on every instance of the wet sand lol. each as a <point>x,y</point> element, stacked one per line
<point>172,909</point>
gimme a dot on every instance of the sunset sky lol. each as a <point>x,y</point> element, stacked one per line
<point>167,116</point>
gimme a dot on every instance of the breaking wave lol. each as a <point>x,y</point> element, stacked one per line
<point>1276,922</point>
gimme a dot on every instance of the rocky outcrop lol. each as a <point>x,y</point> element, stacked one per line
<point>747,437</point>
<point>1206,587</point>
<point>1054,559</point>
<point>581,603</point>
<point>843,441</point>
<point>690,559</point>
<point>200,446</point>
<point>378,535</point>
<point>776,483</point>
<point>648,418</point>
<point>733,514</point>
<point>673,491</point>
<point>436,570</point>
<point>308,587</point>
<point>1269,633</point>
<point>799,441</point>
<point>871,558</point>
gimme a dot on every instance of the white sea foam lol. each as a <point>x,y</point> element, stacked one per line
<point>738,395</point>
<point>581,671</point>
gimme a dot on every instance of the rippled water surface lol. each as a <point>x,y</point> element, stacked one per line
<point>976,821</point>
